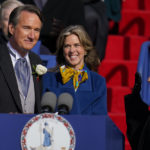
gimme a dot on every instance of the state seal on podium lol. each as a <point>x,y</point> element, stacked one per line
<point>48,131</point>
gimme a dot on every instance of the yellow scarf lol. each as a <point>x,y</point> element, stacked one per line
<point>78,76</point>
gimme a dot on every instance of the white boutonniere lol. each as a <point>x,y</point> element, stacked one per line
<point>39,70</point>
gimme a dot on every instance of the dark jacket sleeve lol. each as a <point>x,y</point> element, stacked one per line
<point>136,116</point>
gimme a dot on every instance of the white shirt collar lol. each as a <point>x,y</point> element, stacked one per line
<point>15,54</point>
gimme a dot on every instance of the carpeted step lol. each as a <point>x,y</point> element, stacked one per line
<point>114,48</point>
<point>134,43</point>
<point>135,22</point>
<point>136,4</point>
<point>124,47</point>
<point>118,72</point>
<point>130,5</point>
<point>115,98</point>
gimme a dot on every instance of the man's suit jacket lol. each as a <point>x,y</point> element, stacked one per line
<point>90,97</point>
<point>9,93</point>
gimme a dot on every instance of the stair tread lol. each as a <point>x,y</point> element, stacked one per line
<point>135,11</point>
<point>126,47</point>
<point>134,22</point>
<point>136,4</point>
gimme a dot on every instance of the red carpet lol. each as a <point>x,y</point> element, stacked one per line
<point>122,52</point>
<point>118,72</point>
<point>124,47</point>
<point>135,22</point>
<point>116,98</point>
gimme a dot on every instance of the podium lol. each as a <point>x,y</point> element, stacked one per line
<point>92,132</point>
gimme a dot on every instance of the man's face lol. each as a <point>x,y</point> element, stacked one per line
<point>26,33</point>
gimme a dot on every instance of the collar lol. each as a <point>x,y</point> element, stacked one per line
<point>15,54</point>
<point>86,86</point>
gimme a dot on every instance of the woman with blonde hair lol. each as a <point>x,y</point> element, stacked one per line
<point>77,62</point>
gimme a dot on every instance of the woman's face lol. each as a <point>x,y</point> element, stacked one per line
<point>73,51</point>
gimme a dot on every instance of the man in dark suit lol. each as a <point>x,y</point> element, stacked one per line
<point>24,28</point>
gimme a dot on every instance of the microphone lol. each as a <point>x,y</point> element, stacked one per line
<point>48,102</point>
<point>65,101</point>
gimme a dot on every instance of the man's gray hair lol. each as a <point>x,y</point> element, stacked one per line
<point>8,4</point>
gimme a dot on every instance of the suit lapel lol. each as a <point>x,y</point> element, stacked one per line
<point>9,75</point>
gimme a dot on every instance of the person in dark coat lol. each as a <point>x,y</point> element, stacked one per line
<point>137,118</point>
<point>20,93</point>
<point>97,24</point>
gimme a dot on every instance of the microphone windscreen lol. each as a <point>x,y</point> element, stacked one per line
<point>49,99</point>
<point>65,99</point>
